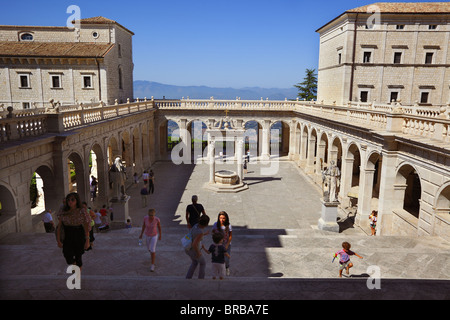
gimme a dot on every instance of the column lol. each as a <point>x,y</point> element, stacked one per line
<point>239,155</point>
<point>265,154</point>
<point>365,197</point>
<point>346,180</point>
<point>310,156</point>
<point>212,160</point>
<point>303,148</point>
<point>389,190</point>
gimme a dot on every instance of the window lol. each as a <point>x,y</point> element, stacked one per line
<point>87,82</point>
<point>56,81</point>
<point>26,37</point>
<point>367,56</point>
<point>394,96</point>
<point>26,105</point>
<point>120,51</point>
<point>120,78</point>
<point>397,57</point>
<point>424,97</point>
<point>24,80</point>
<point>95,34</point>
<point>400,27</point>
<point>339,58</point>
<point>429,58</point>
<point>432,27</point>
<point>363,96</point>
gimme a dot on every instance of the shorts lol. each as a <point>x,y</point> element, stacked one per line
<point>343,265</point>
<point>151,243</point>
<point>218,270</point>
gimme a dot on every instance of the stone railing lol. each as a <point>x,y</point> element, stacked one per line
<point>15,125</point>
<point>428,122</point>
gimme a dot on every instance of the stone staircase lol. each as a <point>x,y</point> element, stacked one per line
<point>266,264</point>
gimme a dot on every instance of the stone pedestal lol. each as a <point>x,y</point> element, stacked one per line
<point>120,210</point>
<point>328,219</point>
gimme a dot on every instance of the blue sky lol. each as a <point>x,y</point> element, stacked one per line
<point>232,43</point>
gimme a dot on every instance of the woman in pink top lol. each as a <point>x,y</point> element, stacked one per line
<point>152,229</point>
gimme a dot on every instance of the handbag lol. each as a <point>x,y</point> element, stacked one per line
<point>186,241</point>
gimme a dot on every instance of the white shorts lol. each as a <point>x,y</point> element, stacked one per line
<point>151,243</point>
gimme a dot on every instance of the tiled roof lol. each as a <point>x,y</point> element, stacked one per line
<point>407,7</point>
<point>54,49</point>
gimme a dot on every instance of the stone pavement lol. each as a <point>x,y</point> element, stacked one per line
<point>277,250</point>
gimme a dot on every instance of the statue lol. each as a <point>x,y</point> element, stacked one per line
<point>117,178</point>
<point>331,178</point>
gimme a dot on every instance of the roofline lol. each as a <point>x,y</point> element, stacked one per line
<point>65,28</point>
<point>370,13</point>
<point>107,23</point>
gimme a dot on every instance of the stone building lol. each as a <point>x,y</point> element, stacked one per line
<point>384,52</point>
<point>65,65</point>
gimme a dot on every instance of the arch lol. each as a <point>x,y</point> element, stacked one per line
<point>442,200</point>
<point>442,211</point>
<point>335,151</point>
<point>199,139</point>
<point>8,210</point>
<point>8,201</point>
<point>322,152</point>
<point>127,152</point>
<point>136,148</point>
<point>113,150</point>
<point>78,183</point>
<point>173,134</point>
<point>279,138</point>
<point>354,153</point>
<point>99,170</point>
<point>48,188</point>
<point>407,181</point>
<point>252,137</point>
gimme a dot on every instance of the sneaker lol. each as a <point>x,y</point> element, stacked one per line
<point>152,268</point>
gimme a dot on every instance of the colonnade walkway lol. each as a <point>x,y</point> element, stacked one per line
<point>277,250</point>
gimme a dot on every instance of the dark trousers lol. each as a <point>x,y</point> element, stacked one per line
<point>73,245</point>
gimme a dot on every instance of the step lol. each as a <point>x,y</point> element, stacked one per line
<point>243,288</point>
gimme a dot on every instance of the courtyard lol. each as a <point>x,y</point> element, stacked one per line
<point>277,250</point>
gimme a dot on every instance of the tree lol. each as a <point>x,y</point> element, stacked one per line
<point>308,88</point>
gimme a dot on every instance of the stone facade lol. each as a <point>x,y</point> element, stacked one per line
<point>35,67</point>
<point>386,52</point>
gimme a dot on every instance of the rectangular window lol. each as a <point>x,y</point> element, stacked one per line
<point>397,57</point>
<point>400,27</point>
<point>429,58</point>
<point>87,82</point>
<point>364,96</point>
<point>339,58</point>
<point>24,80</point>
<point>394,96</point>
<point>56,81</point>
<point>432,27</point>
<point>424,97</point>
<point>26,105</point>
<point>367,56</point>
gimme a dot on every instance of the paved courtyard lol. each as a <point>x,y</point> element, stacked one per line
<point>277,250</point>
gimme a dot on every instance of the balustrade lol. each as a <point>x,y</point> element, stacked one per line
<point>428,122</point>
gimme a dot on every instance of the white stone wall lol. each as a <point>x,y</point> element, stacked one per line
<point>409,78</point>
<point>105,76</point>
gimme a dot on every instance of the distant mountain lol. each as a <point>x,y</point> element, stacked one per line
<point>159,91</point>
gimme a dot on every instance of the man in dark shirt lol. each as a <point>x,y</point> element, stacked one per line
<point>194,212</point>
